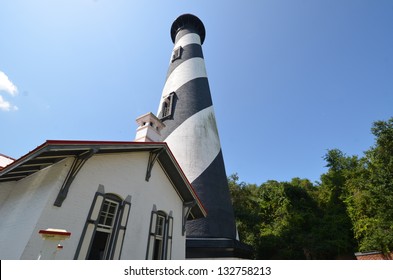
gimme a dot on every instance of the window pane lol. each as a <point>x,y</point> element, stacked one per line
<point>97,250</point>
<point>104,230</point>
<point>157,255</point>
<point>160,226</point>
<point>108,213</point>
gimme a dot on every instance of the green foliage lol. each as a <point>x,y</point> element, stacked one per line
<point>349,210</point>
<point>369,197</point>
<point>245,203</point>
<point>281,220</point>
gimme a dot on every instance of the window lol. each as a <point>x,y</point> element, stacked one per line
<point>177,53</point>
<point>100,247</point>
<point>160,236</point>
<point>167,106</point>
<point>102,237</point>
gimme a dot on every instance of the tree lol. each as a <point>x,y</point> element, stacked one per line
<point>336,233</point>
<point>290,216</point>
<point>370,192</point>
<point>349,210</point>
<point>277,218</point>
<point>363,187</point>
<point>245,204</point>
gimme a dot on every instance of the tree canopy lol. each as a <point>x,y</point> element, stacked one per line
<point>350,210</point>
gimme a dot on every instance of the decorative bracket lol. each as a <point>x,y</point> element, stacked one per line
<point>76,166</point>
<point>152,159</point>
<point>187,206</point>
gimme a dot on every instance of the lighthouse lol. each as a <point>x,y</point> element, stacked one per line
<point>188,125</point>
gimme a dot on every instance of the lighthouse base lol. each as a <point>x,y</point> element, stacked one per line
<point>217,248</point>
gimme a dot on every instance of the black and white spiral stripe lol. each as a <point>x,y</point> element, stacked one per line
<point>192,135</point>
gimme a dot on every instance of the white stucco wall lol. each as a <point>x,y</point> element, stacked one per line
<point>22,206</point>
<point>5,190</point>
<point>122,174</point>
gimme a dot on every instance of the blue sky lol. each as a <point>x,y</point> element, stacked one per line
<point>289,78</point>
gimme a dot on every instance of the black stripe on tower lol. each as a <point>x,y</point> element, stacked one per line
<point>189,51</point>
<point>190,98</point>
<point>212,189</point>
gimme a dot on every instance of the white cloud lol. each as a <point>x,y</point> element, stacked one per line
<point>6,106</point>
<point>6,85</point>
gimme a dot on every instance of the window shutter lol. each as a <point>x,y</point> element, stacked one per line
<point>169,238</point>
<point>177,53</point>
<point>152,235</point>
<point>121,228</point>
<point>90,225</point>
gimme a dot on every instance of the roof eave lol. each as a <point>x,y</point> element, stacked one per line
<point>170,165</point>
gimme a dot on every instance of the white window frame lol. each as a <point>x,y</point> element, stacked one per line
<point>160,234</point>
<point>116,229</point>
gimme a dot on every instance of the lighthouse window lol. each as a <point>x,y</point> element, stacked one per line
<point>177,53</point>
<point>167,106</point>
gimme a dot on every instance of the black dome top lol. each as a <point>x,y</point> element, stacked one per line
<point>188,20</point>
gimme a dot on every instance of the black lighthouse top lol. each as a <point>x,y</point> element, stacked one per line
<point>188,21</point>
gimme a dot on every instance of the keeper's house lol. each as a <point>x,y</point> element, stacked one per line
<point>114,200</point>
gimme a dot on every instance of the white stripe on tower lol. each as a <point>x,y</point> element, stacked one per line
<point>190,69</point>
<point>205,137</point>
<point>190,38</point>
